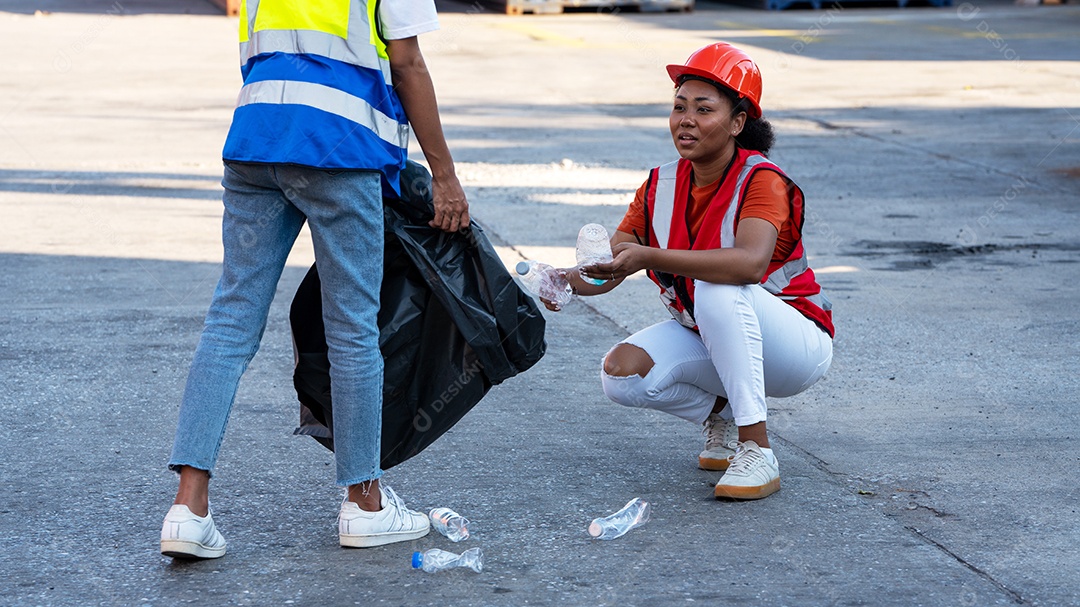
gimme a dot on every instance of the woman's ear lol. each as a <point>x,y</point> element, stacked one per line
<point>738,123</point>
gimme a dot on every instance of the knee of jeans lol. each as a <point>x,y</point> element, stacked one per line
<point>230,339</point>
<point>360,350</point>
<point>628,390</point>
<point>625,360</point>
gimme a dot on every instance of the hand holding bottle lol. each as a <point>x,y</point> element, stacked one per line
<point>629,258</point>
<point>547,283</point>
<point>593,247</point>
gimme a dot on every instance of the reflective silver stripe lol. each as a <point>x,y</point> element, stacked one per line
<point>820,301</point>
<point>309,42</point>
<point>727,228</point>
<point>329,100</point>
<point>359,51</point>
<point>781,277</point>
<point>664,202</point>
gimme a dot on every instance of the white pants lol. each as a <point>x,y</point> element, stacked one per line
<point>751,345</point>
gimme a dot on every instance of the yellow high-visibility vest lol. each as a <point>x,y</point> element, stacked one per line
<point>317,88</point>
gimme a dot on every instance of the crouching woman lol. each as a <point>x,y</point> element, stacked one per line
<point>720,232</point>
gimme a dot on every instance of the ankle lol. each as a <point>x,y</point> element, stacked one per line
<point>194,490</point>
<point>366,495</point>
<point>754,432</point>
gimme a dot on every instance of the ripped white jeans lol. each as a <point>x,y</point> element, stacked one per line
<point>751,345</point>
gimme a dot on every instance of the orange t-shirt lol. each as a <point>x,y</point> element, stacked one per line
<point>766,198</point>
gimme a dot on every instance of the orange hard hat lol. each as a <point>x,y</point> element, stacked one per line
<point>726,65</point>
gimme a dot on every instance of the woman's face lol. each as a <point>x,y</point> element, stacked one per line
<point>701,122</point>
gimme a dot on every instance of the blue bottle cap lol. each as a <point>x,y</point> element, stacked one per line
<point>417,560</point>
<point>522,268</point>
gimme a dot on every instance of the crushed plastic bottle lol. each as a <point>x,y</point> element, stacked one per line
<point>545,282</point>
<point>450,523</point>
<point>437,560</point>
<point>635,513</point>
<point>593,246</point>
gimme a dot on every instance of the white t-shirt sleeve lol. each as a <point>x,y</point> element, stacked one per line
<point>407,18</point>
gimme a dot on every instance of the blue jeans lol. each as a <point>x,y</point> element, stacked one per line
<point>265,207</point>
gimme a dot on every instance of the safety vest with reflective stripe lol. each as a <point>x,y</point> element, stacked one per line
<point>666,196</point>
<point>317,89</point>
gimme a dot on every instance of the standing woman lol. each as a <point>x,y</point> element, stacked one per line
<point>720,232</point>
<point>319,135</point>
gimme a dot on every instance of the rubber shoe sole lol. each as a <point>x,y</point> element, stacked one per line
<point>380,539</point>
<point>181,549</point>
<point>747,493</point>
<point>712,463</point>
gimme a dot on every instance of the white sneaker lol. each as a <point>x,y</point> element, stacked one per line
<point>394,523</point>
<point>752,474</point>
<point>719,433</point>
<point>186,536</point>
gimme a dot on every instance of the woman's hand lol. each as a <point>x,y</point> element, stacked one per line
<point>612,278</point>
<point>451,206</point>
<point>563,273</point>
<point>628,258</point>
<point>550,305</point>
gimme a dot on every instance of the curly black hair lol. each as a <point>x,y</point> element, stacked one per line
<point>757,133</point>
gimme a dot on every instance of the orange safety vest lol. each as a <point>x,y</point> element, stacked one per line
<point>667,194</point>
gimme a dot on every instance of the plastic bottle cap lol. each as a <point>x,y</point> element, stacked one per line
<point>522,268</point>
<point>417,560</point>
<point>594,529</point>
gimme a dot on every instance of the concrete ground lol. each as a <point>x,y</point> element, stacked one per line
<point>934,465</point>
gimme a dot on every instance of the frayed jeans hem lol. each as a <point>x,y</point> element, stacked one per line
<point>358,480</point>
<point>175,467</point>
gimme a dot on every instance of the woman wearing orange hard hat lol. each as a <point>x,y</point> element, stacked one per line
<point>720,232</point>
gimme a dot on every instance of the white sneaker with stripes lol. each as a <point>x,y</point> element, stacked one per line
<point>752,473</point>
<point>358,528</point>
<point>185,535</point>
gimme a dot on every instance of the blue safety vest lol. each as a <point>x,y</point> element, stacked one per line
<point>317,89</point>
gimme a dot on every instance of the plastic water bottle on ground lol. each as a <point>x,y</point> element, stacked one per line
<point>450,523</point>
<point>436,560</point>
<point>593,246</point>
<point>545,282</point>
<point>635,513</point>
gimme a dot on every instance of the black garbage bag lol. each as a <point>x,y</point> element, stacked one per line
<point>452,324</point>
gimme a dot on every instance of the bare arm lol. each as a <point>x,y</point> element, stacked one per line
<point>413,85</point>
<point>744,263</point>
